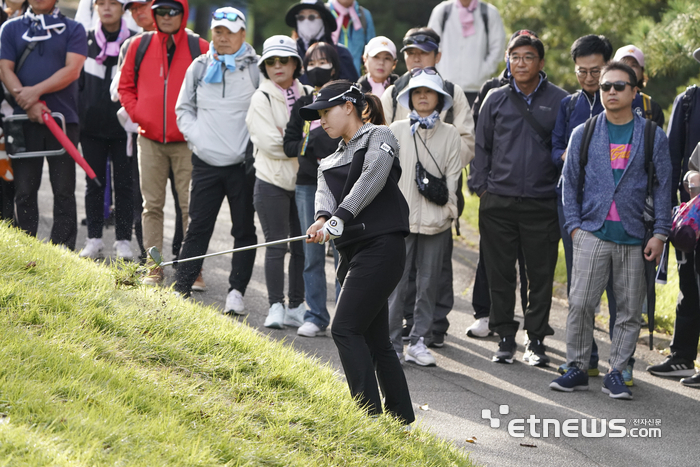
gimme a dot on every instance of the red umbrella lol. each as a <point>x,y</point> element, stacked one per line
<point>68,145</point>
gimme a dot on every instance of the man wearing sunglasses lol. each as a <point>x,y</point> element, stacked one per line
<point>604,203</point>
<point>513,175</point>
<point>421,52</point>
<point>149,98</point>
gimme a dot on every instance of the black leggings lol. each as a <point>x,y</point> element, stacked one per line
<point>368,272</point>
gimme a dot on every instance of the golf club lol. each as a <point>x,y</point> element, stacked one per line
<point>158,258</point>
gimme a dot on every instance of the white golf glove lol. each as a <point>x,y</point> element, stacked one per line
<point>332,228</point>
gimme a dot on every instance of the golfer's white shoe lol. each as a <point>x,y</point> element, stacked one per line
<point>123,250</point>
<point>295,316</point>
<point>275,317</point>
<point>234,303</point>
<point>93,248</point>
<point>480,328</point>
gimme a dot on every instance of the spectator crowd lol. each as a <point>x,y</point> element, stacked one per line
<point>317,134</point>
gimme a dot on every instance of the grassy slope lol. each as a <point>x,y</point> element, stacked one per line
<point>95,373</point>
<point>666,295</point>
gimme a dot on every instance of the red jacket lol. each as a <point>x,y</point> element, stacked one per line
<point>151,102</point>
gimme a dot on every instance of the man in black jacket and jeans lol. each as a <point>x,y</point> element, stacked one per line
<point>513,175</point>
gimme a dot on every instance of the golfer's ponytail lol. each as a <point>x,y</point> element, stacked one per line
<point>373,111</point>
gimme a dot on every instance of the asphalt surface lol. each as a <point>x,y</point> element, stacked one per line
<point>449,399</point>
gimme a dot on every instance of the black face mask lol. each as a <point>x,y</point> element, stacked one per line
<point>319,76</point>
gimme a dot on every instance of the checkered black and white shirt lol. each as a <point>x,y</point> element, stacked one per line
<point>382,147</point>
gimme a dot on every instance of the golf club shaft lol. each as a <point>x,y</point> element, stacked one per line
<point>236,250</point>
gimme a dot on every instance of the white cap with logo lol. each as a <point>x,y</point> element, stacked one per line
<point>228,17</point>
<point>380,44</point>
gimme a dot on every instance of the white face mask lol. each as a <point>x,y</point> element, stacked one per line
<point>310,30</point>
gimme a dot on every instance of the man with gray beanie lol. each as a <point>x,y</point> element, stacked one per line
<point>211,111</point>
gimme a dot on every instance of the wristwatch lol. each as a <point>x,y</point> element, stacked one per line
<point>663,238</point>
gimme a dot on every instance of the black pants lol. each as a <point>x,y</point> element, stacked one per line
<point>138,208</point>
<point>481,298</point>
<point>687,328</point>
<point>96,152</point>
<point>7,200</point>
<point>368,272</point>
<point>505,223</point>
<point>62,176</point>
<point>209,186</point>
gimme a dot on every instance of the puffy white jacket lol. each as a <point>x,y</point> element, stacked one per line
<point>426,217</point>
<point>267,119</point>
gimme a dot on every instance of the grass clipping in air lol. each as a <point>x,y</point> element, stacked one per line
<point>97,370</point>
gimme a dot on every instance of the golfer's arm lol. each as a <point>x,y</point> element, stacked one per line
<point>8,76</point>
<point>63,77</point>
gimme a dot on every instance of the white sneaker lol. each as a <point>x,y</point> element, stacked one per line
<point>419,354</point>
<point>480,328</point>
<point>93,248</point>
<point>123,249</point>
<point>234,303</point>
<point>295,316</point>
<point>309,329</point>
<point>275,317</point>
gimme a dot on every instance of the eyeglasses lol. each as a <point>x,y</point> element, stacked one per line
<point>167,12</point>
<point>419,39</point>
<point>219,15</point>
<point>354,88</point>
<point>429,70</point>
<point>526,59</point>
<point>618,85</point>
<point>271,61</point>
<point>595,74</point>
<point>310,17</point>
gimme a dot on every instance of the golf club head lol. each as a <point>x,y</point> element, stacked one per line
<point>155,255</point>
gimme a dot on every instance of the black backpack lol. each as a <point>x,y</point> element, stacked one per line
<point>192,41</point>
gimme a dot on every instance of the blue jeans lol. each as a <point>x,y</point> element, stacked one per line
<point>314,261</point>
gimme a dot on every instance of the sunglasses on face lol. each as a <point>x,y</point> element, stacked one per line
<point>618,85</point>
<point>418,39</point>
<point>167,12</point>
<point>219,15</point>
<point>310,17</point>
<point>271,61</point>
<point>429,70</point>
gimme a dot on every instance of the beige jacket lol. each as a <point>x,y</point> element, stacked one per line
<point>463,119</point>
<point>443,140</point>
<point>266,122</point>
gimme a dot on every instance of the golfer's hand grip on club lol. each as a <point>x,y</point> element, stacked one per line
<point>323,230</point>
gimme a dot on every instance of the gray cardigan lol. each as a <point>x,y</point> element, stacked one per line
<point>599,185</point>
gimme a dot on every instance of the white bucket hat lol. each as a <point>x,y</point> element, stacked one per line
<point>279,46</point>
<point>426,80</point>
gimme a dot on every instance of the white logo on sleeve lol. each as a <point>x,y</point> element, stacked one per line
<point>386,148</point>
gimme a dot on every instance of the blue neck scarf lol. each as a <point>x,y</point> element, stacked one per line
<point>425,122</point>
<point>42,27</point>
<point>215,72</point>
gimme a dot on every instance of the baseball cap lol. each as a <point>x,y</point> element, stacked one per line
<point>166,4</point>
<point>380,44</point>
<point>630,51</point>
<point>420,41</point>
<point>128,3</point>
<point>228,17</point>
<point>335,94</point>
<point>696,55</point>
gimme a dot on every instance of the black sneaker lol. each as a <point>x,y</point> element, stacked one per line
<point>506,350</point>
<point>436,341</point>
<point>693,381</point>
<point>534,353</point>
<point>673,366</point>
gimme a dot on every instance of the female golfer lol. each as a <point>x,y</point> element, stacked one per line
<point>358,184</point>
